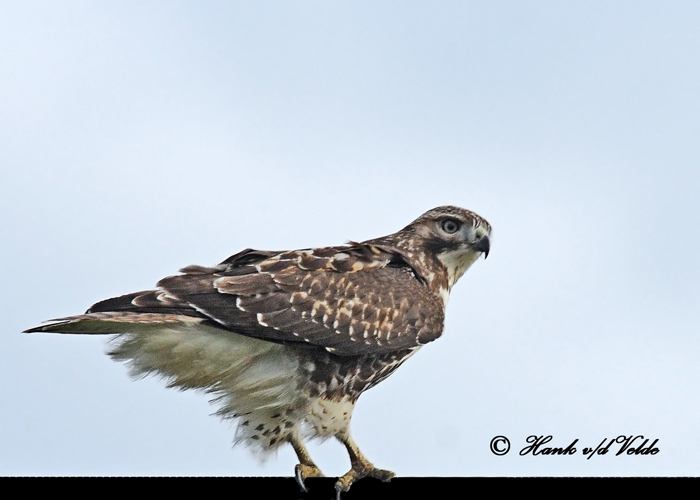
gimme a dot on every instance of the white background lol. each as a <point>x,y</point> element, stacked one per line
<point>140,137</point>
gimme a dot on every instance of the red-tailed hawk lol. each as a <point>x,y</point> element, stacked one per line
<point>287,341</point>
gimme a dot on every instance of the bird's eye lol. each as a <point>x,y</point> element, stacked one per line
<point>450,226</point>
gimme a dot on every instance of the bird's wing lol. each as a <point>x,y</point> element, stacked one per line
<point>350,300</point>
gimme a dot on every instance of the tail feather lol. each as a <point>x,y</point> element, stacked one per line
<point>105,323</point>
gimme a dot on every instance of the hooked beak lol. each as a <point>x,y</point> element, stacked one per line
<point>483,245</point>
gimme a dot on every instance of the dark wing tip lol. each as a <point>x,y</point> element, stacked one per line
<point>246,257</point>
<point>50,325</point>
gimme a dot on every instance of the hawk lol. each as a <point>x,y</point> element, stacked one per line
<point>288,341</point>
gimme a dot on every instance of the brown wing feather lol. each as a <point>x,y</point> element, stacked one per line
<point>343,299</point>
<point>150,301</point>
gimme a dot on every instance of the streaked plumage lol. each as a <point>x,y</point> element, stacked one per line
<point>287,341</point>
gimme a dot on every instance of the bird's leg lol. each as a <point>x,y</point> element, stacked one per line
<point>361,467</point>
<point>306,467</point>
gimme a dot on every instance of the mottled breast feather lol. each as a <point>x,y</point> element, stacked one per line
<point>349,300</point>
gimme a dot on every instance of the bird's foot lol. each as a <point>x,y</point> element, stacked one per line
<point>302,471</point>
<point>359,471</point>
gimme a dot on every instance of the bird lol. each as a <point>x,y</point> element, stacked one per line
<point>287,341</point>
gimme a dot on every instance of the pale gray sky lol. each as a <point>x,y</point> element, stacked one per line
<point>137,138</point>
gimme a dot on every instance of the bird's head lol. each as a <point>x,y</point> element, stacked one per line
<point>440,245</point>
<point>454,236</point>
